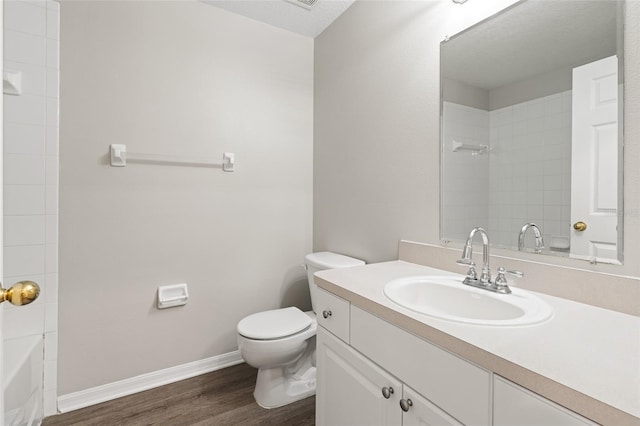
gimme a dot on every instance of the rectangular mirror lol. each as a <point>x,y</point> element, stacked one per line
<point>531,129</point>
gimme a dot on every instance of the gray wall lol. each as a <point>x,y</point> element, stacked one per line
<point>376,130</point>
<point>370,117</point>
<point>546,84</point>
<point>464,94</point>
<point>180,78</point>
<point>541,85</point>
<point>376,124</point>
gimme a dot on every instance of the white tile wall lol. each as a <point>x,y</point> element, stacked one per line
<point>24,139</point>
<point>24,199</point>
<point>23,17</point>
<point>465,176</point>
<point>24,48</point>
<point>22,260</point>
<point>34,77</point>
<point>24,230</point>
<point>531,168</point>
<point>31,45</point>
<point>528,170</point>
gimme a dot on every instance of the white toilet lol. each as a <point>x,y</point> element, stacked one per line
<point>281,343</point>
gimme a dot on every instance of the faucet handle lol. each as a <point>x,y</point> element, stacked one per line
<point>472,275</point>
<point>517,274</point>
<point>501,281</point>
<point>502,272</point>
<point>500,284</point>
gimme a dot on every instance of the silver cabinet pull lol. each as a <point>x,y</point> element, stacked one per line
<point>405,404</point>
<point>326,314</point>
<point>387,392</point>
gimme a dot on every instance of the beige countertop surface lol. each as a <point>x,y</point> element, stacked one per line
<point>584,358</point>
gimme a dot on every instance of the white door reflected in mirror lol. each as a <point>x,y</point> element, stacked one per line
<point>594,158</point>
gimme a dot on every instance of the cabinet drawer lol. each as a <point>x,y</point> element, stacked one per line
<point>332,313</point>
<point>451,383</point>
<point>517,406</point>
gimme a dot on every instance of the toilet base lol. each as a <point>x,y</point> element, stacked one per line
<point>286,366</point>
<point>283,385</point>
<point>276,387</point>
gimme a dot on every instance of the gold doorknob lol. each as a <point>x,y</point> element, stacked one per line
<point>579,226</point>
<point>21,293</point>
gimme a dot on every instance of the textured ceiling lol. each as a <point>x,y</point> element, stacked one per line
<point>532,38</point>
<point>283,14</point>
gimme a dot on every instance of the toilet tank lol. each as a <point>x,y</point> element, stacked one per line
<point>325,260</point>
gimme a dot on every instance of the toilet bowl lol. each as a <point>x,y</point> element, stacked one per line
<point>281,343</point>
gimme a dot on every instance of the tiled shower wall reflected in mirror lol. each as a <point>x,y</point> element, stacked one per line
<point>525,176</point>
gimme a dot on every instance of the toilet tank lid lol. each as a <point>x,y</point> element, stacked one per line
<point>329,260</point>
<point>274,324</point>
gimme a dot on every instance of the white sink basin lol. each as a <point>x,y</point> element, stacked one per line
<point>447,298</point>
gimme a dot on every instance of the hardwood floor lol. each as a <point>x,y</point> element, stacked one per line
<point>224,397</point>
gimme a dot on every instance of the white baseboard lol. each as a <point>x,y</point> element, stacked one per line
<point>103,393</point>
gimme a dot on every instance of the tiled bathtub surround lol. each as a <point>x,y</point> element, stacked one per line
<point>31,46</point>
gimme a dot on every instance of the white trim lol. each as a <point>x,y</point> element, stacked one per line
<point>98,394</point>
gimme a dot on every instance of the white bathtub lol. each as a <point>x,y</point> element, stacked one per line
<point>23,367</point>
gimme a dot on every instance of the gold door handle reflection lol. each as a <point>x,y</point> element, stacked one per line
<point>21,293</point>
<point>579,226</point>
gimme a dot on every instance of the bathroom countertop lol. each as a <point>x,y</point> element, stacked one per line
<point>584,358</point>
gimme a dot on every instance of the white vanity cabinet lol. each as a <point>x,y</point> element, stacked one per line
<point>352,390</point>
<point>350,387</point>
<point>461,389</point>
<point>370,372</point>
<point>516,406</point>
<point>364,377</point>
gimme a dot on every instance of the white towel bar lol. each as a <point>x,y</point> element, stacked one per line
<point>120,157</point>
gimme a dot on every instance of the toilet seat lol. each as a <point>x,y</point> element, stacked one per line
<point>274,324</point>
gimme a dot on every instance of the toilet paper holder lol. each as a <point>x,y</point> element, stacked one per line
<point>173,295</point>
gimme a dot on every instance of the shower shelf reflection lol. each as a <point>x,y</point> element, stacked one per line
<point>474,149</point>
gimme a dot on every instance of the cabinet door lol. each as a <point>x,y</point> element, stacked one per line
<point>350,387</point>
<point>423,413</point>
<point>516,406</point>
<point>453,384</point>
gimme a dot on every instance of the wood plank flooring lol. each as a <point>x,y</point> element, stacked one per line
<point>223,397</point>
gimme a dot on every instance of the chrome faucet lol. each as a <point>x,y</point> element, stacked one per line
<point>467,254</point>
<point>537,234</point>
<point>500,284</point>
